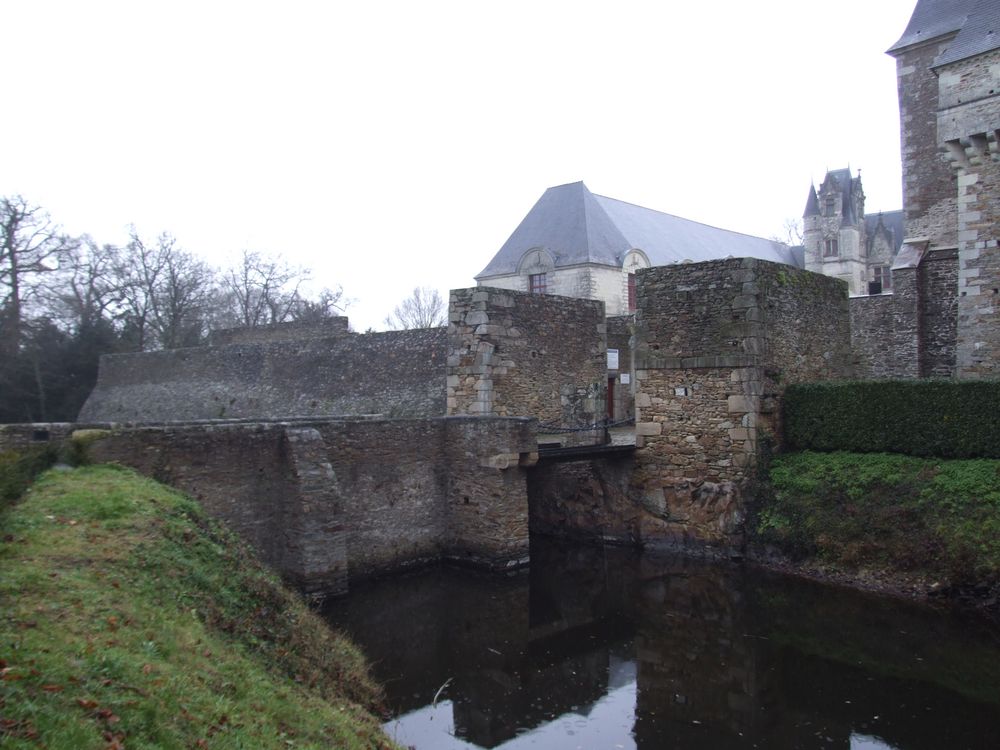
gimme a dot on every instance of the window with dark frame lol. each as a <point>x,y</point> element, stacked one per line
<point>631,292</point>
<point>882,275</point>
<point>830,206</point>
<point>537,283</point>
<point>831,248</point>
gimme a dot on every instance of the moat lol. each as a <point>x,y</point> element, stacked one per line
<point>608,648</point>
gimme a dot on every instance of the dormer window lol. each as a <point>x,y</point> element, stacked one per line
<point>830,206</point>
<point>831,248</point>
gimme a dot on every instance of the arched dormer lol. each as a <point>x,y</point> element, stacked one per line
<point>536,265</point>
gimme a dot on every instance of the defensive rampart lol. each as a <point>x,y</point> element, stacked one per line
<point>395,373</point>
<point>325,501</point>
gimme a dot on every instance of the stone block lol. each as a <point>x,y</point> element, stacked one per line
<point>489,330</point>
<point>648,429</point>
<point>738,404</point>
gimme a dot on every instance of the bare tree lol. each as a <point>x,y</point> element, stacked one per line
<point>791,232</point>
<point>424,308</point>
<point>164,293</point>
<point>85,289</point>
<point>329,303</point>
<point>30,246</point>
<point>262,289</point>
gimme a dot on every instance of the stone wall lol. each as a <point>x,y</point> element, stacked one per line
<point>938,287</point>
<point>396,373</point>
<point>910,332</point>
<point>587,499</point>
<point>716,343</point>
<point>927,179</point>
<point>518,354</point>
<point>871,336</point>
<point>978,329</point>
<point>324,501</point>
<point>274,332</point>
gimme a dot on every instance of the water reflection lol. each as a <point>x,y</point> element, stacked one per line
<point>606,648</point>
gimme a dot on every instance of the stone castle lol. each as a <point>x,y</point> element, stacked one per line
<point>936,260</point>
<point>339,454</point>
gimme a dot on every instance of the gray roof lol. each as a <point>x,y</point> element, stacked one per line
<point>812,203</point>
<point>976,21</point>
<point>576,226</point>
<point>892,223</point>
<point>980,33</point>
<point>931,19</point>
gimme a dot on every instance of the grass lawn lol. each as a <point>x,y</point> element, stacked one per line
<point>129,620</point>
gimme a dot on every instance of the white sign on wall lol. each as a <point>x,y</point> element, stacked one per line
<point>612,359</point>
<point>625,378</point>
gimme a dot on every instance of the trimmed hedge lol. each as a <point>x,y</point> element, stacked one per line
<point>944,418</point>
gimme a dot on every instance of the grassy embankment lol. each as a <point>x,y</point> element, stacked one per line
<point>933,520</point>
<point>128,619</point>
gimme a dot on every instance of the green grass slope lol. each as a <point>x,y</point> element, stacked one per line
<point>129,620</point>
<point>933,518</point>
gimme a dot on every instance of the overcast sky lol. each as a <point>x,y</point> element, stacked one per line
<point>394,144</point>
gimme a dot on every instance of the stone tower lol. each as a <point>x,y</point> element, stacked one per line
<point>948,71</point>
<point>834,230</point>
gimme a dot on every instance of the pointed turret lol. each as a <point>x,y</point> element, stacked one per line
<point>812,203</point>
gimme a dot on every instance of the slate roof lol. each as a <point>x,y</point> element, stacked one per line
<point>812,203</point>
<point>576,226</point>
<point>931,19</point>
<point>976,21</point>
<point>892,221</point>
<point>980,33</point>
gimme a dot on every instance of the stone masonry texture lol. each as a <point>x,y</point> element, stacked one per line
<point>323,329</point>
<point>520,354</point>
<point>717,343</point>
<point>927,178</point>
<point>327,501</point>
<point>396,373</point>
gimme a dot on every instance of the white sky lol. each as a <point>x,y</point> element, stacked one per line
<point>393,144</point>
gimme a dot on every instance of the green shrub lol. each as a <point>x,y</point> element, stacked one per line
<point>945,418</point>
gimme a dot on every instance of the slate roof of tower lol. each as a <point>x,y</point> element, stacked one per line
<point>976,21</point>
<point>576,226</point>
<point>931,19</point>
<point>980,33</point>
<point>812,203</point>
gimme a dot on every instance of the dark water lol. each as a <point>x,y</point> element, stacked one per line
<point>606,648</point>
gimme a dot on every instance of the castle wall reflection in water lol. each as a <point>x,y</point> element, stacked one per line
<point>599,648</point>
